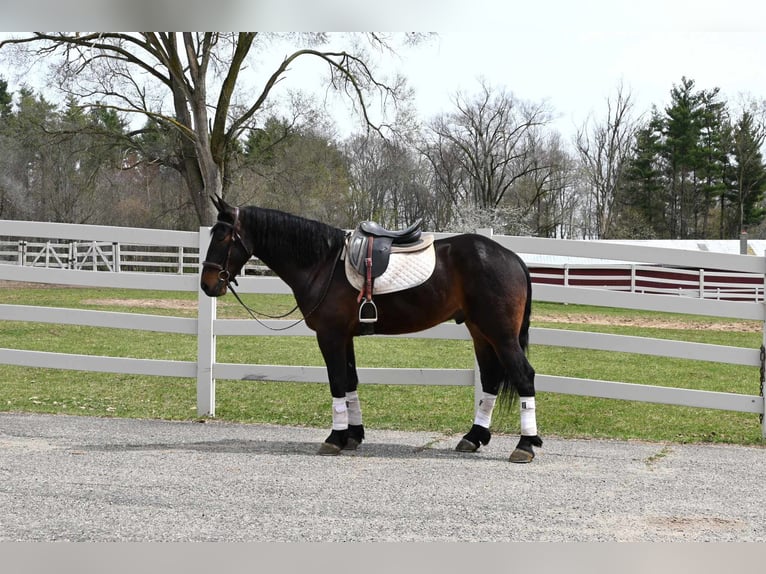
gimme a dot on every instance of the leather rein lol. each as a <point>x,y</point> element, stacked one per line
<point>225,277</point>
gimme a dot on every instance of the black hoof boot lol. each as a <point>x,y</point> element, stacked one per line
<point>334,443</point>
<point>355,437</point>
<point>524,452</point>
<point>477,436</point>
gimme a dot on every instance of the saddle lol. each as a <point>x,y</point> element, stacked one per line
<point>369,250</point>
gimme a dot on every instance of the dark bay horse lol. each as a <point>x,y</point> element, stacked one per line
<point>475,281</point>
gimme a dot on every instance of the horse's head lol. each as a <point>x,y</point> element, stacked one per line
<point>228,251</point>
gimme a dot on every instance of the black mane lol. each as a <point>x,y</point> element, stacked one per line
<point>278,234</point>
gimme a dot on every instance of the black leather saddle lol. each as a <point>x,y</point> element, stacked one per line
<point>371,241</point>
<point>368,252</point>
<point>409,235</point>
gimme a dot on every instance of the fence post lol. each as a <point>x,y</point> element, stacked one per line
<point>206,313</point>
<point>116,255</point>
<point>93,257</point>
<point>22,252</point>
<point>762,377</point>
<point>477,396</point>
<point>763,363</point>
<point>633,278</point>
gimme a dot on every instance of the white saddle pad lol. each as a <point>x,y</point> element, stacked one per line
<point>404,271</point>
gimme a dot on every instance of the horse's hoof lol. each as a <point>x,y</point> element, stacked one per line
<point>521,456</point>
<point>354,437</point>
<point>329,449</point>
<point>473,439</point>
<point>351,444</point>
<point>466,445</point>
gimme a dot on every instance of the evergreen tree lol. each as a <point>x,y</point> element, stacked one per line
<point>680,168</point>
<point>682,155</point>
<point>7,207</point>
<point>642,194</point>
<point>713,146</point>
<point>749,175</point>
<point>6,100</point>
<point>261,143</point>
<point>30,171</point>
<point>298,169</point>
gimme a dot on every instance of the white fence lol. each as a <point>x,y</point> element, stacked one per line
<point>701,283</point>
<point>207,326</point>
<point>105,256</point>
<point>635,278</point>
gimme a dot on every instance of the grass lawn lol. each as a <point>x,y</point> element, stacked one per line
<point>443,409</point>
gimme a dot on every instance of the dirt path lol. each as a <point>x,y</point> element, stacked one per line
<point>147,303</point>
<point>649,322</point>
<point>564,317</point>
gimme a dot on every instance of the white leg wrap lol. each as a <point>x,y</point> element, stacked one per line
<point>354,408</point>
<point>528,418</point>
<point>339,414</point>
<point>483,416</point>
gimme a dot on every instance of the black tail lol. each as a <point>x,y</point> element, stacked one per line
<point>520,369</point>
<point>524,333</point>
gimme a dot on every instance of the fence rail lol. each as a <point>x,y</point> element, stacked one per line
<point>700,283</point>
<point>116,256</point>
<point>105,256</point>
<point>206,327</point>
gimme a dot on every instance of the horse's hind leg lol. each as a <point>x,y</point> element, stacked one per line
<point>523,377</point>
<point>506,370</point>
<point>491,372</point>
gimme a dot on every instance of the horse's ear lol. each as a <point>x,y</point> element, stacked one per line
<point>219,203</point>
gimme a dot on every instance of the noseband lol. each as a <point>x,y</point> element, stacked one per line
<point>223,272</point>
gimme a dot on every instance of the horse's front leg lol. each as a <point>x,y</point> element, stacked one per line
<point>334,351</point>
<point>355,426</point>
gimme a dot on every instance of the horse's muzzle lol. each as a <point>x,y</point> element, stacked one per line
<point>213,283</point>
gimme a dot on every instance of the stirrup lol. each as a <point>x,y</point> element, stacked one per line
<point>374,309</point>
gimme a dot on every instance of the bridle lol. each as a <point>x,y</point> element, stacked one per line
<point>225,277</point>
<point>223,269</point>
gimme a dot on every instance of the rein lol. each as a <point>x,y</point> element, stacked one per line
<point>225,277</point>
<point>252,312</point>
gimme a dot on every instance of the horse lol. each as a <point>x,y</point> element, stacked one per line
<point>475,281</point>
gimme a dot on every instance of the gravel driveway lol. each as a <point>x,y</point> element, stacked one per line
<point>92,479</point>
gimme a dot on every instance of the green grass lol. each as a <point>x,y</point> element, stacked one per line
<point>442,409</point>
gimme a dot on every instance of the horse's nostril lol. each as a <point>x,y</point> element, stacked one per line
<point>215,290</point>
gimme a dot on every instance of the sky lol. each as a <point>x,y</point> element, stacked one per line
<point>571,54</point>
<point>574,54</point>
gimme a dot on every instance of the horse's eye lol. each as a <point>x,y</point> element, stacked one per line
<point>219,233</point>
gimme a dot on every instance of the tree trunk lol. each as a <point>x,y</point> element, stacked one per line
<point>200,172</point>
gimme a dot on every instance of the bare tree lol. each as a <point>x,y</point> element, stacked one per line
<point>604,148</point>
<point>480,150</point>
<point>198,73</point>
<point>388,182</point>
<point>545,195</point>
